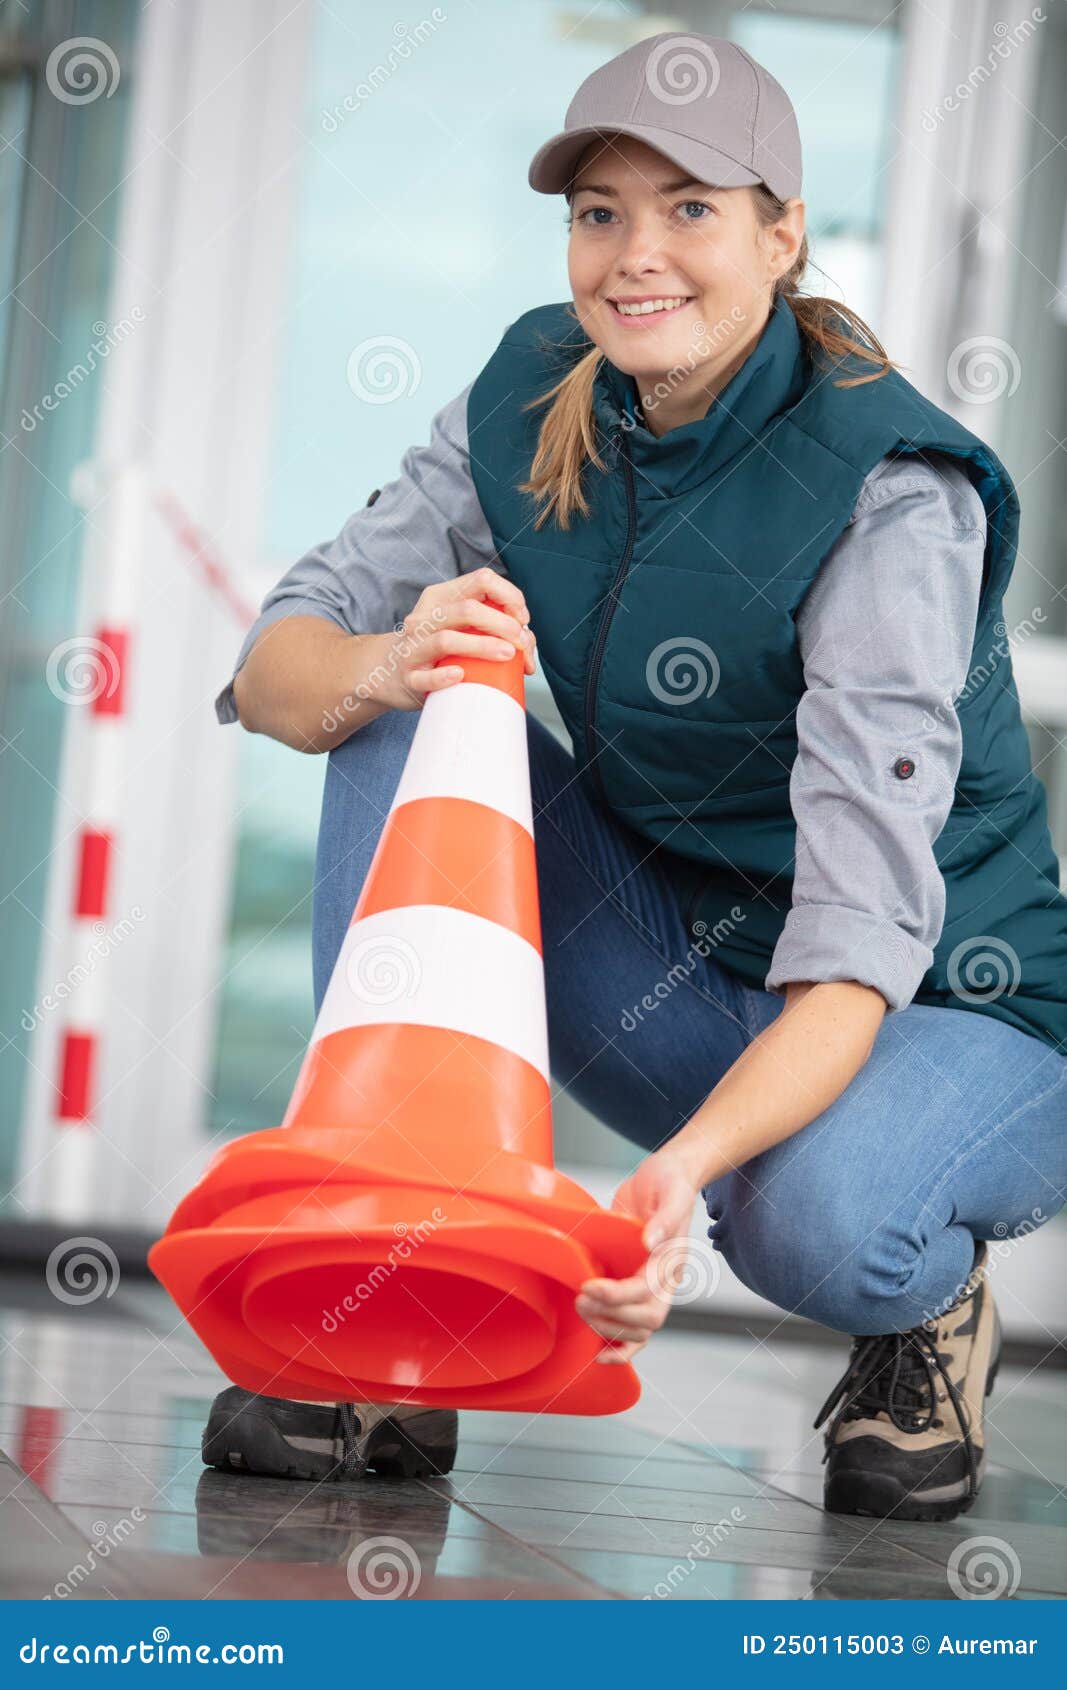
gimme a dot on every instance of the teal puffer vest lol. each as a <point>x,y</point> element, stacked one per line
<point>709,537</point>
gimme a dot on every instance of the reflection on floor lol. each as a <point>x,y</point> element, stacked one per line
<point>709,1488</point>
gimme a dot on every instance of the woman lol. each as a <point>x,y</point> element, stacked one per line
<point>766,576</point>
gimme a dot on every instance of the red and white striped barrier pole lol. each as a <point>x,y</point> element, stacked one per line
<point>92,673</point>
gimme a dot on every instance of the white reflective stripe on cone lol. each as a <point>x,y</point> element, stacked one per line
<point>470,743</point>
<point>438,967</point>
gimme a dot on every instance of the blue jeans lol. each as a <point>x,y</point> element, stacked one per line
<point>865,1220</point>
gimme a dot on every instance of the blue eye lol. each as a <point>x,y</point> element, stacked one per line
<point>592,212</point>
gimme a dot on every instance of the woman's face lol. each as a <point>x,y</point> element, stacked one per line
<point>641,230</point>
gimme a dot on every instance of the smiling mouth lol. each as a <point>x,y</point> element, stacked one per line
<point>667,306</point>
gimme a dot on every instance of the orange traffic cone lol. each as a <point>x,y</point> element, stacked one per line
<point>404,1233</point>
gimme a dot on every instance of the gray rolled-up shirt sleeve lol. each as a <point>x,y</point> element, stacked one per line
<point>425,526</point>
<point>886,633</point>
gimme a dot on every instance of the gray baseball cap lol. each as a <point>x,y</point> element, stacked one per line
<point>699,99</point>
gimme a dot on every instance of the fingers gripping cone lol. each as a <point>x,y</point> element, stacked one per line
<point>404,1233</point>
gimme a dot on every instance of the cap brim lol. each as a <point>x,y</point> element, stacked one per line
<point>554,164</point>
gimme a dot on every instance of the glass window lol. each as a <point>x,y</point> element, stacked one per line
<point>59,164</point>
<point>840,77</point>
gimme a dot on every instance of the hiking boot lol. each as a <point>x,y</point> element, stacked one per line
<point>246,1433</point>
<point>907,1439</point>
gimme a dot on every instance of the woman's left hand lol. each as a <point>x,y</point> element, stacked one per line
<point>661,1193</point>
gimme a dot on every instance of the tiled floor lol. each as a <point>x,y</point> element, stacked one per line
<point>708,1488</point>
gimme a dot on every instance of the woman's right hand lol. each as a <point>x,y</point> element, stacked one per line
<point>433,629</point>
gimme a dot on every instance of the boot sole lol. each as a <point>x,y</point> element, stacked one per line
<point>394,1449</point>
<point>880,1497</point>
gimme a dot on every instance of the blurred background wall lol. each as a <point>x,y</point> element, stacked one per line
<point>206,213</point>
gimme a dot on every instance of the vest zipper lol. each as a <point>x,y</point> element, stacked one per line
<point>600,641</point>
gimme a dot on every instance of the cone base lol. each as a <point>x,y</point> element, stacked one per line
<point>313,1270</point>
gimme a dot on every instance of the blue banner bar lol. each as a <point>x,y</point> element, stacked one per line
<point>520,1644</point>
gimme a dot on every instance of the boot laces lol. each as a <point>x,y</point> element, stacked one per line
<point>897,1373</point>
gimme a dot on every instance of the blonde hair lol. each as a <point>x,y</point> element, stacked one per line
<point>567,438</point>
